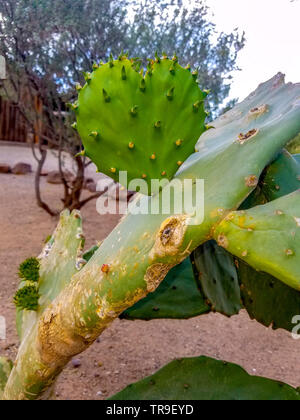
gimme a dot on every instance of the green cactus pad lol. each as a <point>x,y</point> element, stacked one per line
<point>146,125</point>
<point>203,378</point>
<point>29,270</point>
<point>266,237</point>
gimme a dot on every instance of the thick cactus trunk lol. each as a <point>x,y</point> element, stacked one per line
<point>134,259</point>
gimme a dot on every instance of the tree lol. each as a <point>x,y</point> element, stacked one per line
<point>49,44</point>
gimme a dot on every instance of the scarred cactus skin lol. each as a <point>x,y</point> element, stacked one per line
<point>147,125</point>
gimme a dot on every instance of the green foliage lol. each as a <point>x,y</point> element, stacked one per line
<point>203,378</point>
<point>157,127</point>
<point>177,297</point>
<point>27,297</point>
<point>29,270</point>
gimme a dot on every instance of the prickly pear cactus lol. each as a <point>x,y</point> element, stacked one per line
<point>145,124</point>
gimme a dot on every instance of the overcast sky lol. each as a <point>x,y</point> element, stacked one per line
<point>273,39</point>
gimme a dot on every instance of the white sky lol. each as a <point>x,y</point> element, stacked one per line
<point>273,39</point>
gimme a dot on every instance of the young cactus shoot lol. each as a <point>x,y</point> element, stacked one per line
<point>144,124</point>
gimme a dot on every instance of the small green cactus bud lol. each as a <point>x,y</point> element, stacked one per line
<point>74,126</point>
<point>111,61</point>
<point>197,105</point>
<point>170,94</point>
<point>87,77</point>
<point>157,59</point>
<point>73,107</point>
<point>195,74</point>
<point>105,95</point>
<point>95,66</point>
<point>82,153</point>
<point>175,58</point>
<point>94,134</point>
<point>78,87</point>
<point>123,73</point>
<point>27,297</point>
<point>172,69</point>
<point>29,270</point>
<point>157,124</point>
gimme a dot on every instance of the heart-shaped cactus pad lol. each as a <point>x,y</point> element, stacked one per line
<point>144,122</point>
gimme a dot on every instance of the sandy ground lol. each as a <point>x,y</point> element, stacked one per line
<point>127,351</point>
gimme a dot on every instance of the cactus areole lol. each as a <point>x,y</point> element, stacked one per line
<point>140,122</point>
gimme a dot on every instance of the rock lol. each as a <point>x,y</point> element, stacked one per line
<point>4,168</point>
<point>92,187</point>
<point>76,363</point>
<point>54,177</point>
<point>22,169</point>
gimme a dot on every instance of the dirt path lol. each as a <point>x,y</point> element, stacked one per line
<point>128,351</point>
